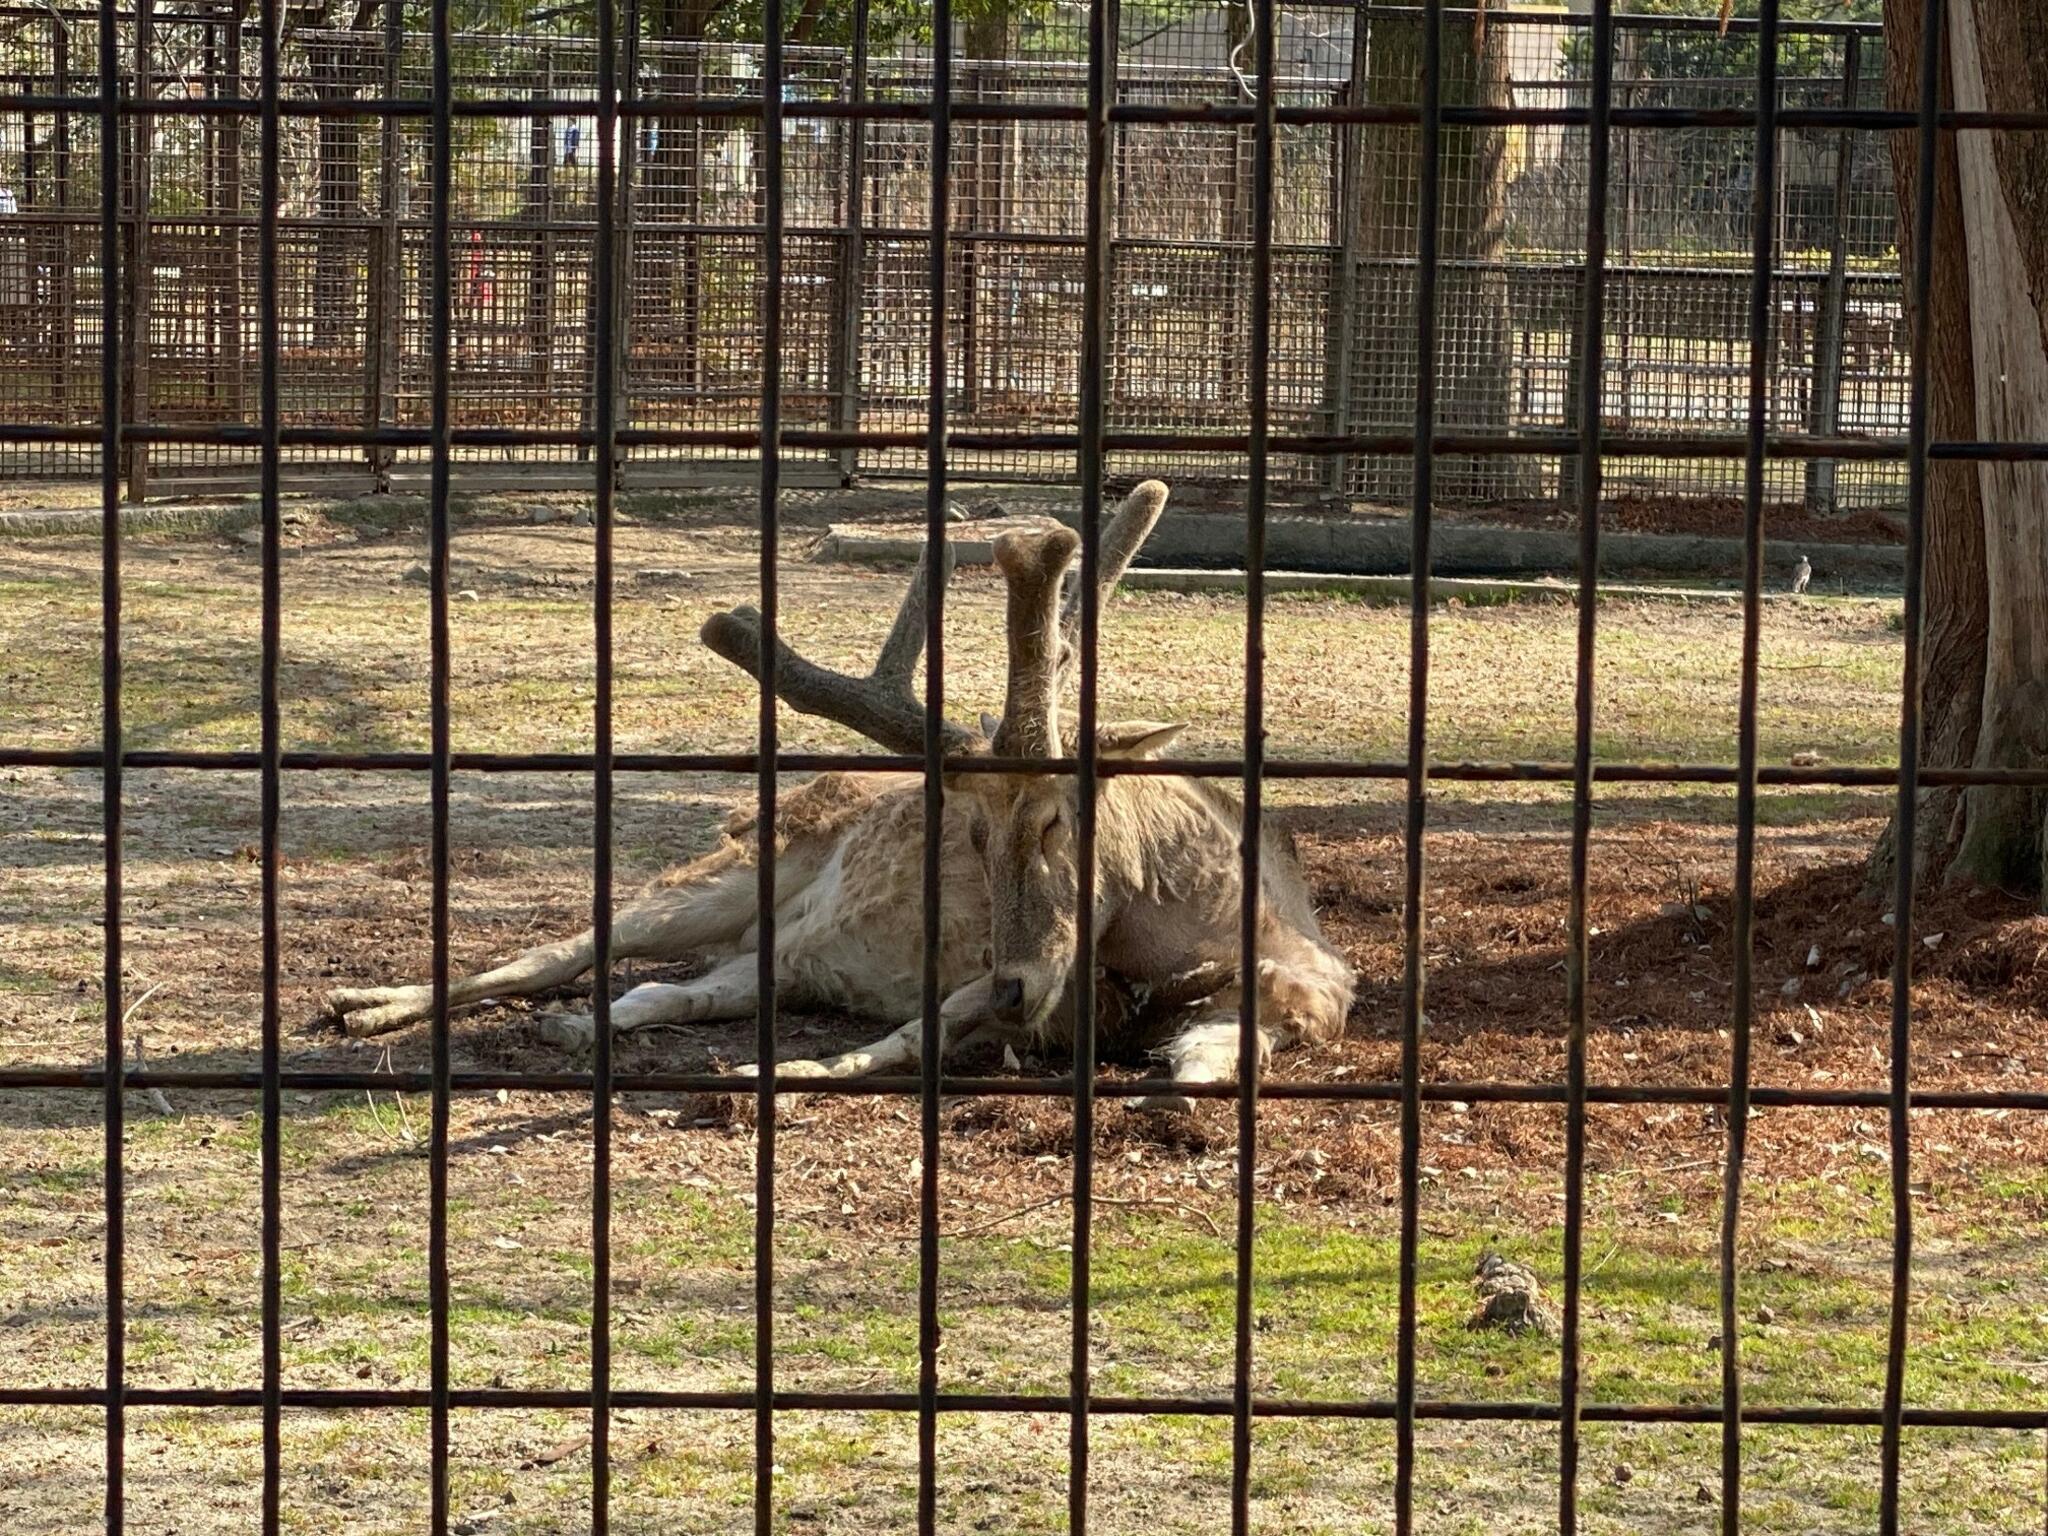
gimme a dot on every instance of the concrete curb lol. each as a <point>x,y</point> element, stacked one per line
<point>1208,541</point>
<point>1478,592</point>
<point>54,522</point>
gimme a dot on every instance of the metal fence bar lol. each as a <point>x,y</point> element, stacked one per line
<point>1428,229</point>
<point>1743,935</point>
<point>271,775</point>
<point>604,384</point>
<point>1905,828</point>
<point>766,738</point>
<point>441,282</point>
<point>932,1042</point>
<point>1879,777</point>
<point>503,1399</point>
<point>1250,1049</point>
<point>740,109</point>
<point>1059,1086</point>
<point>111,995</point>
<point>1592,363</point>
<point>737,109</point>
<point>1091,427</point>
<point>1546,444</point>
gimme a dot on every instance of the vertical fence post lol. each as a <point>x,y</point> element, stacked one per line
<point>377,300</point>
<point>141,135</point>
<point>846,370</point>
<point>540,287</point>
<point>209,295</point>
<point>687,186</point>
<point>1825,409</point>
<point>623,243</point>
<point>981,213</point>
<point>231,208</point>
<point>1570,470</point>
<point>387,294</point>
<point>64,265</point>
<point>1348,144</point>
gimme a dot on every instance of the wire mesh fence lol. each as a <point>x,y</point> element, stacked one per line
<point>1275,355</point>
<point>355,207</point>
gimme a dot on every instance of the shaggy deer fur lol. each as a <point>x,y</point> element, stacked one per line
<point>849,857</point>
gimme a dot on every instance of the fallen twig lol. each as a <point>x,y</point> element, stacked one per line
<point>157,1101</point>
<point>406,1134</point>
<point>1173,1205</point>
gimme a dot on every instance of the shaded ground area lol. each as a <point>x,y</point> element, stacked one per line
<point>1815,1241</point>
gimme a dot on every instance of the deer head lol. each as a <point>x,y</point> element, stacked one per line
<point>1023,824</point>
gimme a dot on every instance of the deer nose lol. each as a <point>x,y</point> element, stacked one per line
<point>1006,996</point>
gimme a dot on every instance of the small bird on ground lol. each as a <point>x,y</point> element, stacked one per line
<point>1802,573</point>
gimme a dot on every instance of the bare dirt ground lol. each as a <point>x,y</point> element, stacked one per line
<point>1816,1228</point>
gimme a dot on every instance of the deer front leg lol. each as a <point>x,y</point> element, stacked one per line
<point>961,1015</point>
<point>728,991</point>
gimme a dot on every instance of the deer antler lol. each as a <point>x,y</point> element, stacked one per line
<point>881,706</point>
<point>1119,546</point>
<point>1032,565</point>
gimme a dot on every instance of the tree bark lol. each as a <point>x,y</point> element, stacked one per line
<point>1985,655</point>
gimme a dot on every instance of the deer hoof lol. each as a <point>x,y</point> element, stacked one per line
<point>569,1031</point>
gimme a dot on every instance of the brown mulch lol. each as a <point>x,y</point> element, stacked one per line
<point>1659,1005</point>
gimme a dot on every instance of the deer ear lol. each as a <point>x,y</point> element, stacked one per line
<point>1136,738</point>
<point>990,725</point>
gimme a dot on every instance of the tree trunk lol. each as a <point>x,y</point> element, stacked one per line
<point>992,33</point>
<point>1985,658</point>
<point>1475,340</point>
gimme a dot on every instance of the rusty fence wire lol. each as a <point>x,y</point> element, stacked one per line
<point>619,97</point>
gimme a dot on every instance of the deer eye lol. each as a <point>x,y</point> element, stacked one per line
<point>977,834</point>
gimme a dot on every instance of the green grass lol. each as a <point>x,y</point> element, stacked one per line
<point>1162,1323</point>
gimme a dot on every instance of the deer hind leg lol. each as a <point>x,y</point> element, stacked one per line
<point>709,902</point>
<point>377,1010</point>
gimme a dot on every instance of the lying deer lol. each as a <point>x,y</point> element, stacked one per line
<point>849,876</point>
